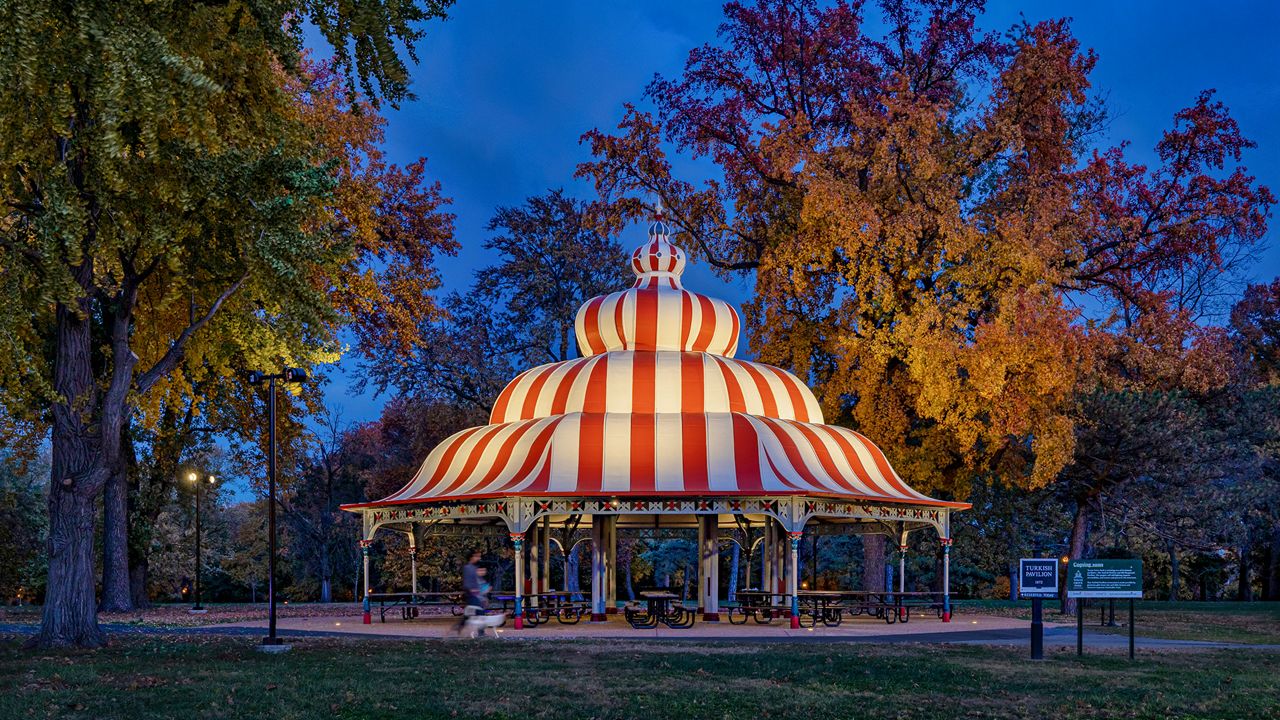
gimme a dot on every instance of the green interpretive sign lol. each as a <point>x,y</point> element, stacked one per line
<point>1104,579</point>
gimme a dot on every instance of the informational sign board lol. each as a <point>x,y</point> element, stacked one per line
<point>1038,577</point>
<point>1104,579</point>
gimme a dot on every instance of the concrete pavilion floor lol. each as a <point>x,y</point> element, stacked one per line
<point>922,628</point>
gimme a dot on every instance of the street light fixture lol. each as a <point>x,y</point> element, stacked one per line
<point>194,479</point>
<point>257,378</point>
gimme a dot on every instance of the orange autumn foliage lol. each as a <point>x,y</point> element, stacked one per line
<point>927,224</point>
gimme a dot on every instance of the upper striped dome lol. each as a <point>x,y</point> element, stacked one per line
<point>657,313</point>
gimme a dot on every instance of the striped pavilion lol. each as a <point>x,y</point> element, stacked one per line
<point>658,428</point>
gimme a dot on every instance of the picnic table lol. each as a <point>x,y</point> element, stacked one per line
<point>540,608</point>
<point>661,607</point>
<point>760,605</point>
<point>830,607</point>
<point>409,602</point>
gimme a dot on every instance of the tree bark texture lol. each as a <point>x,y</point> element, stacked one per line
<point>629,581</point>
<point>79,469</point>
<point>1244,583</point>
<point>116,592</point>
<point>571,573</point>
<point>1175,580</point>
<point>1271,583</point>
<point>139,574</point>
<point>1077,547</point>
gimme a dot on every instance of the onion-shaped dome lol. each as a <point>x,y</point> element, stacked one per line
<point>657,406</point>
<point>657,313</point>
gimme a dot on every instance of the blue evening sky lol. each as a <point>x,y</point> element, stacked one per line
<point>505,89</point>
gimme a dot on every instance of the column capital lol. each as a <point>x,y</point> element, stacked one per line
<point>517,538</point>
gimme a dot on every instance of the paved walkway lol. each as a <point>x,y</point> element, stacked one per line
<point>964,629</point>
<point>861,628</point>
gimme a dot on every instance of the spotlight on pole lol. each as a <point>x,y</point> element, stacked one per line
<point>272,642</point>
<point>194,479</point>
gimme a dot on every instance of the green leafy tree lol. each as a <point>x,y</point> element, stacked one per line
<point>157,172</point>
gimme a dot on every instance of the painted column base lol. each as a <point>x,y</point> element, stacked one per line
<point>368,611</point>
<point>795,622</point>
<point>711,617</point>
<point>599,618</point>
<point>946,617</point>
<point>519,622</point>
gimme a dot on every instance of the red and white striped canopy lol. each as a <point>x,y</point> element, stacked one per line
<point>657,406</point>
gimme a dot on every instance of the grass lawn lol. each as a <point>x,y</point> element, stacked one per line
<point>1255,622</point>
<point>218,677</point>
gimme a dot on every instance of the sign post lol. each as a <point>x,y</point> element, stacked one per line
<point>1037,579</point>
<point>1104,579</point>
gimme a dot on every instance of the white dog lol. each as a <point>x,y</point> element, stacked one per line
<point>477,621</point>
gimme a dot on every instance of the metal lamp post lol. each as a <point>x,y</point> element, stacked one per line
<point>194,478</point>
<point>257,378</point>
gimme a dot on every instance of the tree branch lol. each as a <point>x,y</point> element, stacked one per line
<point>170,360</point>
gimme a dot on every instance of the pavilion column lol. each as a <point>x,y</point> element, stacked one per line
<point>709,572</point>
<point>611,565</point>
<point>946,579</point>
<point>364,557</point>
<point>413,561</point>
<point>598,571</point>
<point>545,538</point>
<point>766,557</point>
<point>517,539</point>
<point>702,563</point>
<point>535,566</point>
<point>793,577</point>
<point>902,567</point>
<point>780,558</point>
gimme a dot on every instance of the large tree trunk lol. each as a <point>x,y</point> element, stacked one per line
<point>78,471</point>
<point>70,613</point>
<point>1244,584</point>
<point>1175,581</point>
<point>1271,580</point>
<point>873,575</point>
<point>1077,547</point>
<point>571,574</point>
<point>116,595</point>
<point>139,572</point>
<point>628,561</point>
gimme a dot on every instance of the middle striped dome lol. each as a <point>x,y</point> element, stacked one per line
<point>623,381</point>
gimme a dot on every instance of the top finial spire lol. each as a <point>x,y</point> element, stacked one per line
<point>659,229</point>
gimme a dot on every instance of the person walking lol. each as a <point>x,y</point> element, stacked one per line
<point>474,600</point>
